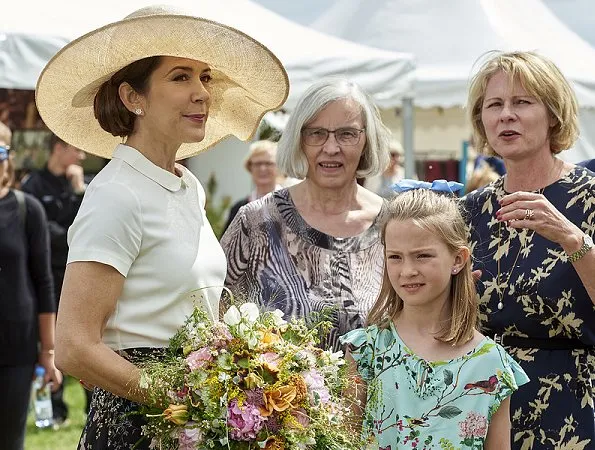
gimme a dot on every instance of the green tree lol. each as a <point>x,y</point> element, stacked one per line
<point>216,210</point>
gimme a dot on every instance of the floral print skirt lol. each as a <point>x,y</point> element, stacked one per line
<point>114,423</point>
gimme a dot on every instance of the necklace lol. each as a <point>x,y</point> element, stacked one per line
<point>522,246</point>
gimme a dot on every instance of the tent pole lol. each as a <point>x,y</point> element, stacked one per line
<point>408,125</point>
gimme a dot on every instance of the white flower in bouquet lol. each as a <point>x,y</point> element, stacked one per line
<point>278,320</point>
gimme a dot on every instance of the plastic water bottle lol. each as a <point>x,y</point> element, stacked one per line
<point>42,400</point>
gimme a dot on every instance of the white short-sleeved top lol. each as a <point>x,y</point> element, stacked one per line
<point>151,226</point>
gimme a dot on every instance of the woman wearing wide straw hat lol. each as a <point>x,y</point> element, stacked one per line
<point>170,86</point>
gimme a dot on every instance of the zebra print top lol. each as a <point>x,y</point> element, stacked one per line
<point>277,260</point>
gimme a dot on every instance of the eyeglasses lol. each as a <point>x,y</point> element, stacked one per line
<point>4,152</point>
<point>343,136</point>
<point>264,164</point>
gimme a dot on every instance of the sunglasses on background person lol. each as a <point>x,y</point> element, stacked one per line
<point>4,152</point>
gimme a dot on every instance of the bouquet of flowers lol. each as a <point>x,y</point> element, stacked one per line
<point>253,381</point>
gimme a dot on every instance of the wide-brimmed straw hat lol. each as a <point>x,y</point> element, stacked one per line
<point>248,80</point>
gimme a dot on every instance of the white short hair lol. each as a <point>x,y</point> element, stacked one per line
<point>257,148</point>
<point>375,156</point>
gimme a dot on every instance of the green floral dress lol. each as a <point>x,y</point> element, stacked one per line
<point>416,404</point>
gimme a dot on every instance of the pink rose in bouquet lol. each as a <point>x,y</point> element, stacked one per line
<point>315,382</point>
<point>245,422</point>
<point>199,358</point>
<point>189,437</point>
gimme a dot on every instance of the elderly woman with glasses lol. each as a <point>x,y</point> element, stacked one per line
<point>317,244</point>
<point>260,163</point>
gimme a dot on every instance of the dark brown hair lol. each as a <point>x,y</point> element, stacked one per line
<point>109,110</point>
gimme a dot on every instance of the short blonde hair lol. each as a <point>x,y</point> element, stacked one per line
<point>542,79</point>
<point>440,215</point>
<point>257,148</point>
<point>291,159</point>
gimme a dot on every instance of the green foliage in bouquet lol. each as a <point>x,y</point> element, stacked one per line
<point>252,381</point>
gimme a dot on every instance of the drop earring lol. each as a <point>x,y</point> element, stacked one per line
<point>138,112</point>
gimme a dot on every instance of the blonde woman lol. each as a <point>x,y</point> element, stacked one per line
<point>532,237</point>
<point>261,163</point>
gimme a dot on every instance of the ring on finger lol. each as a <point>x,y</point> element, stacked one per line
<point>529,213</point>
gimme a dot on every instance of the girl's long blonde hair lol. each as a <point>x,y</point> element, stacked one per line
<point>439,214</point>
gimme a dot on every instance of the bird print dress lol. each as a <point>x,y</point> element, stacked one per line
<point>429,405</point>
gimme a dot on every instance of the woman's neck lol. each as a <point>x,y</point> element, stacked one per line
<point>329,201</point>
<point>532,174</point>
<point>4,191</point>
<point>162,154</point>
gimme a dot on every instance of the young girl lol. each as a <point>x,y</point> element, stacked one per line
<point>429,379</point>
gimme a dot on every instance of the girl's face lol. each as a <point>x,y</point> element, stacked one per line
<point>420,265</point>
<point>176,105</point>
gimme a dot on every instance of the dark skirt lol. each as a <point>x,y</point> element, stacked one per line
<point>114,423</point>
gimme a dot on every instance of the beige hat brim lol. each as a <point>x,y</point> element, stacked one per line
<point>248,79</point>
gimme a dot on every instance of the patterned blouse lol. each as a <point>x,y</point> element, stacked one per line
<point>413,403</point>
<point>277,260</point>
<point>542,297</point>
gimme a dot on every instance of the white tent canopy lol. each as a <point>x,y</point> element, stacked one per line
<point>31,32</point>
<point>447,38</point>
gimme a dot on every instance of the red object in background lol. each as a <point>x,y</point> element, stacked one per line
<point>441,170</point>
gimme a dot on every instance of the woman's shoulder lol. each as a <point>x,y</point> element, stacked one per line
<point>372,336</point>
<point>579,178</point>
<point>249,217</point>
<point>483,193</point>
<point>263,205</point>
<point>371,201</point>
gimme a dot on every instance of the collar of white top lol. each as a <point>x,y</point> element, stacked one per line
<point>139,162</point>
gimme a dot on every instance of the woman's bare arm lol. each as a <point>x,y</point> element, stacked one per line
<point>89,296</point>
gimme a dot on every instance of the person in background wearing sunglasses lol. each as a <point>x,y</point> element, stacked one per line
<point>27,306</point>
<point>59,186</point>
<point>317,243</point>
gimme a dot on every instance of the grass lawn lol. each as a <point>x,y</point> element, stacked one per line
<point>67,437</point>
